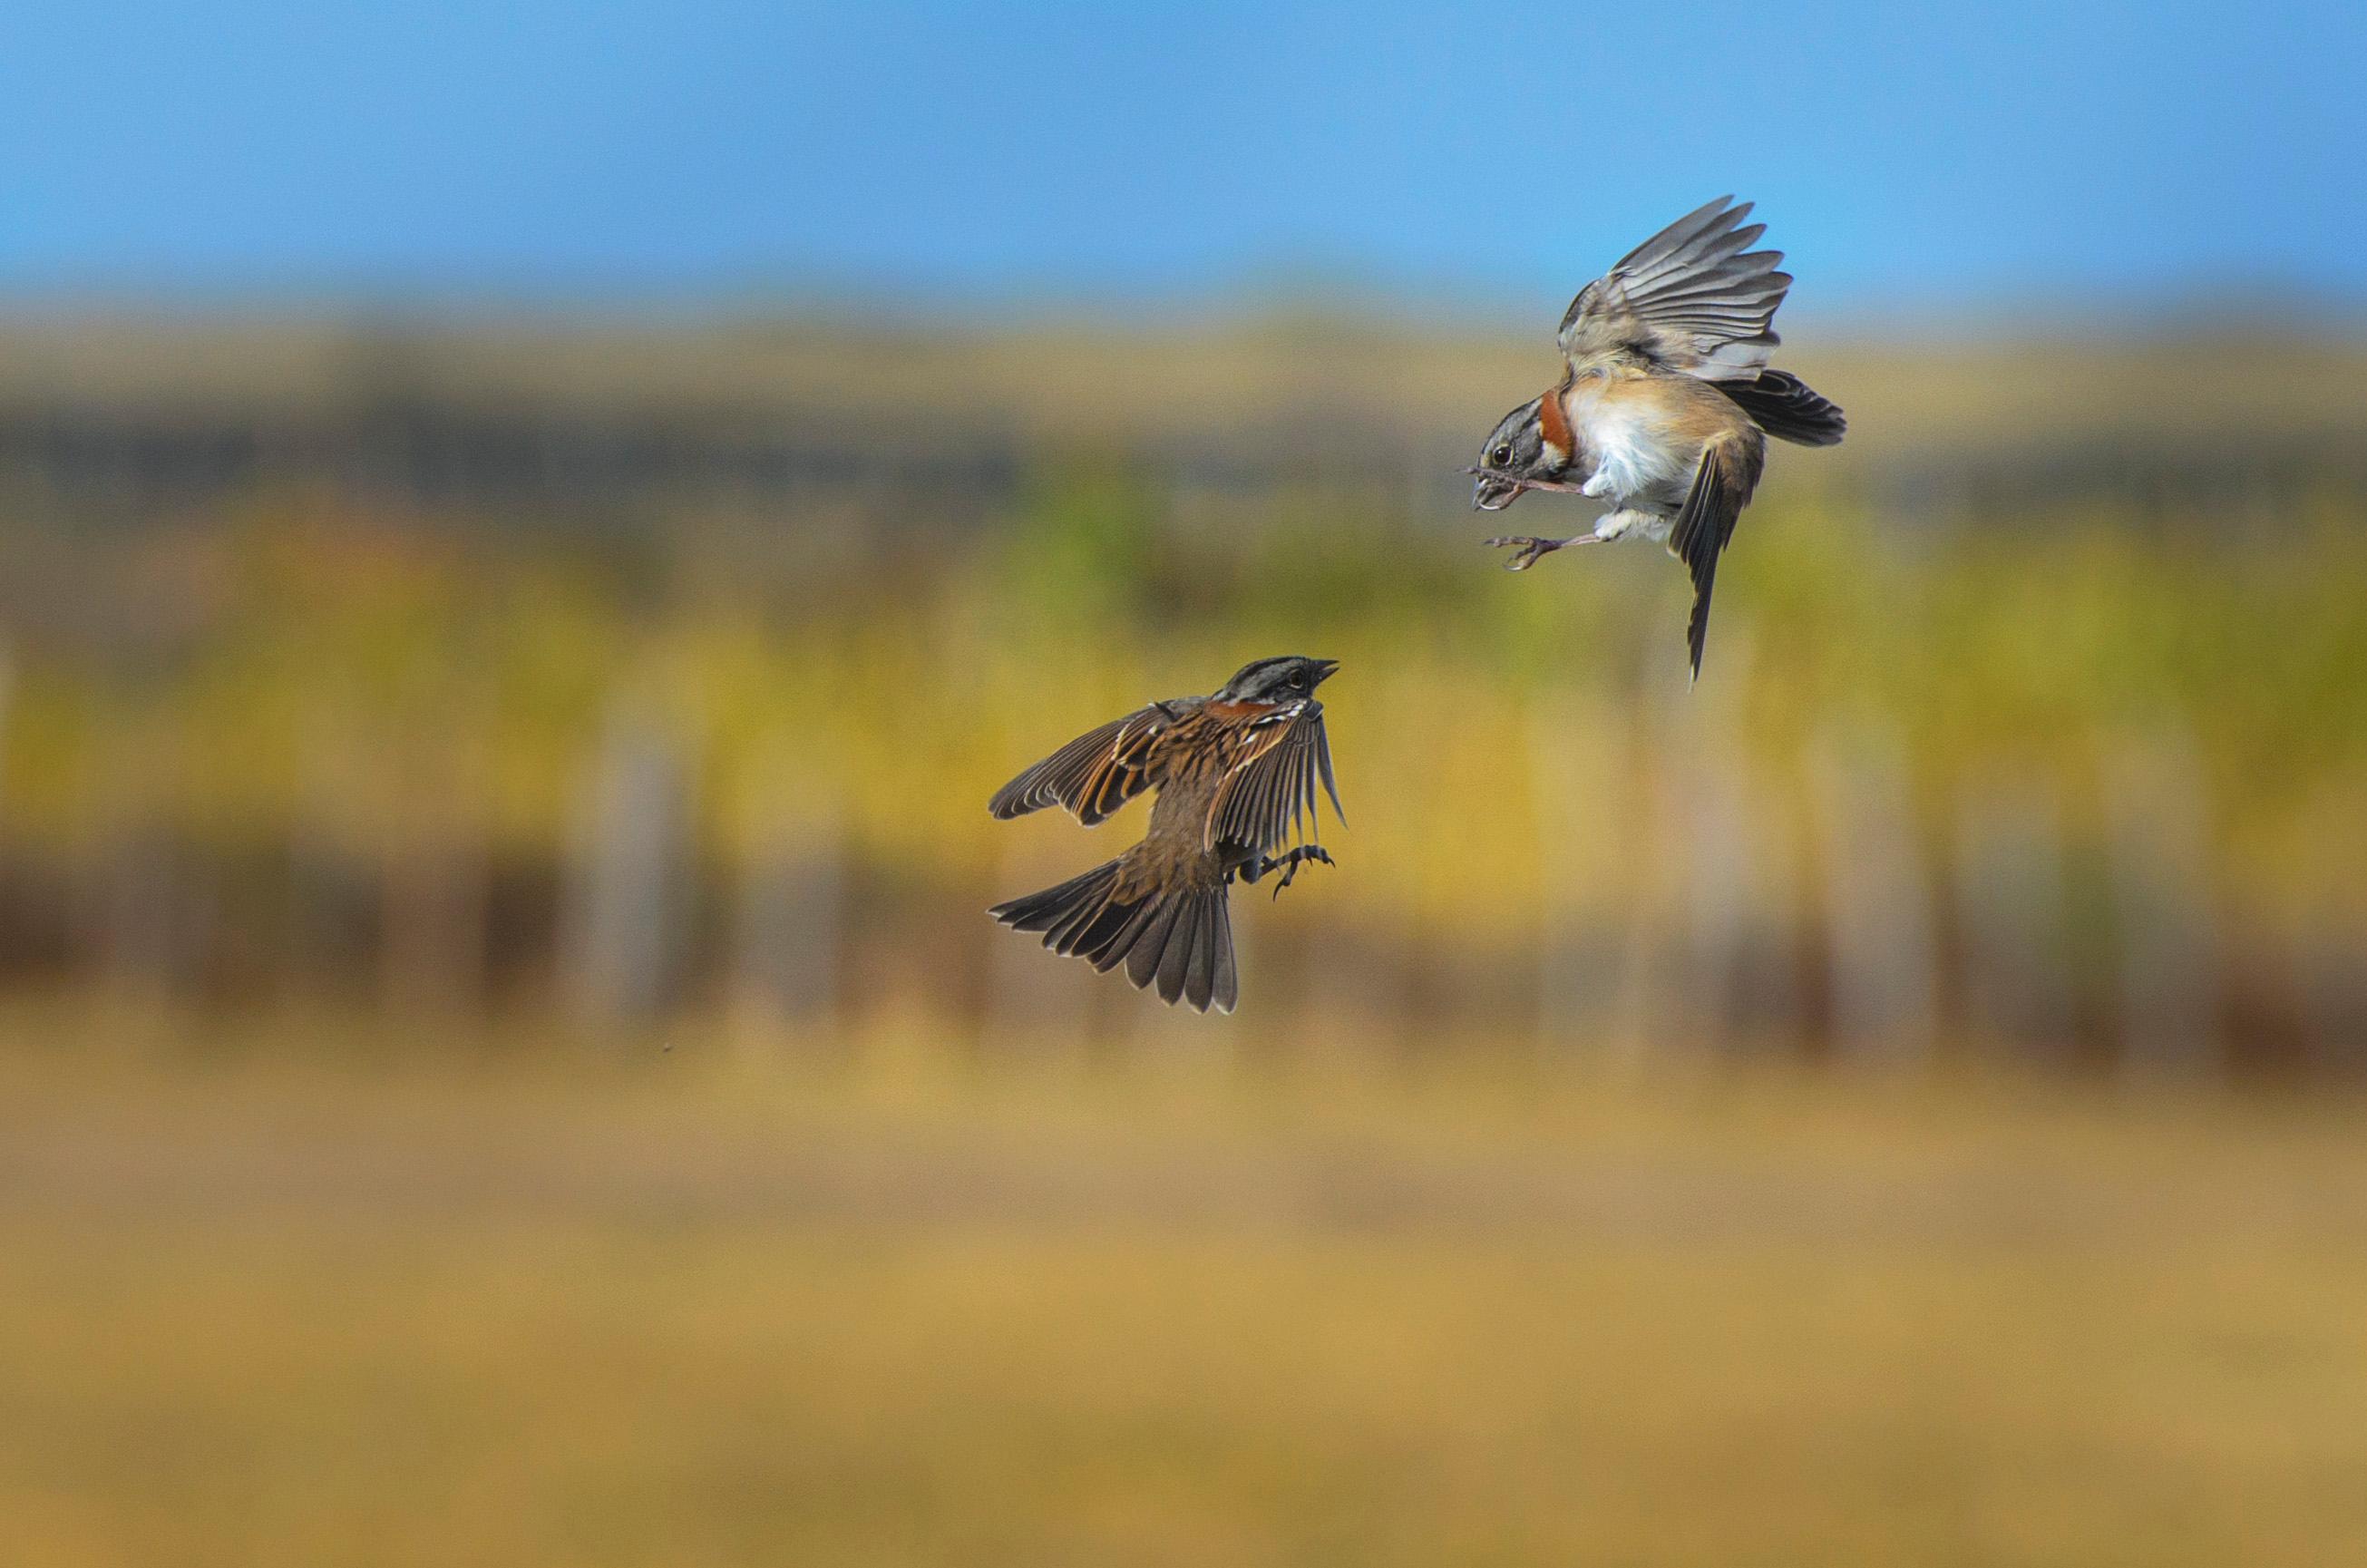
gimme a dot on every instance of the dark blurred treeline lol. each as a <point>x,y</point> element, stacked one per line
<point>598,681</point>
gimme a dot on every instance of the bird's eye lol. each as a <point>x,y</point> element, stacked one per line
<point>1502,457</point>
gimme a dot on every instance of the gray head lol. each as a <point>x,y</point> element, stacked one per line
<point>1516,449</point>
<point>1290,678</point>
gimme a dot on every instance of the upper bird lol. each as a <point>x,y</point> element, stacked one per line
<point>1666,403</point>
<point>1236,775</point>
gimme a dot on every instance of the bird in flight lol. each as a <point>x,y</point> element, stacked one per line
<point>1235,776</point>
<point>1665,405</point>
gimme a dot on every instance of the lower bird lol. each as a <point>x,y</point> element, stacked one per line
<point>1235,776</point>
<point>1665,402</point>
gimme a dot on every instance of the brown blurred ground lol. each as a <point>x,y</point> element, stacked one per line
<point>667,1310</point>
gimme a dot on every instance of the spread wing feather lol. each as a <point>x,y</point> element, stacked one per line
<point>1721,488</point>
<point>1693,297</point>
<point>1094,775</point>
<point>1269,796</point>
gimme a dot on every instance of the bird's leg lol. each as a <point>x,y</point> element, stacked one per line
<point>1621,521</point>
<point>1288,864</point>
<point>1295,858</point>
<point>1529,550</point>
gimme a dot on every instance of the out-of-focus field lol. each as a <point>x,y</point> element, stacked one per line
<point>672,1307</point>
<point>503,1060</point>
<point>1051,379</point>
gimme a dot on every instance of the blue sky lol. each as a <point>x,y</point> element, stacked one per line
<point>949,154</point>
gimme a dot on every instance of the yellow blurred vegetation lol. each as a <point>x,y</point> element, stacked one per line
<point>1512,748</point>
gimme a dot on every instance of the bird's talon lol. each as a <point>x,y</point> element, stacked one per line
<point>1530,549</point>
<point>1288,865</point>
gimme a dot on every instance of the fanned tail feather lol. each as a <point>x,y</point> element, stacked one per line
<point>1180,942</point>
<point>1785,407</point>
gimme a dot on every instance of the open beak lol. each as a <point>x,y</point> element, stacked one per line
<point>1491,491</point>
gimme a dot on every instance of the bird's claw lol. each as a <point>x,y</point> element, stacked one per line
<point>1528,550</point>
<point>1296,858</point>
<point>1288,865</point>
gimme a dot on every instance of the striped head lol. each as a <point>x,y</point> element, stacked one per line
<point>1532,442</point>
<point>1286,681</point>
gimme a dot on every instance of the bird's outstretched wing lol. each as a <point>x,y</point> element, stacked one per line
<point>1097,773</point>
<point>1721,488</point>
<point>1269,794</point>
<point>1693,297</point>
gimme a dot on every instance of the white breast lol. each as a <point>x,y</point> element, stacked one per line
<point>1628,452</point>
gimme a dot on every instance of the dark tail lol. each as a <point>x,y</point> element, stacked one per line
<point>1781,405</point>
<point>1182,939</point>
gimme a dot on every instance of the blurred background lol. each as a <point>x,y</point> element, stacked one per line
<point>528,535</point>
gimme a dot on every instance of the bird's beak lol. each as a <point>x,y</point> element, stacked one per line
<point>1325,670</point>
<point>1491,492</point>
